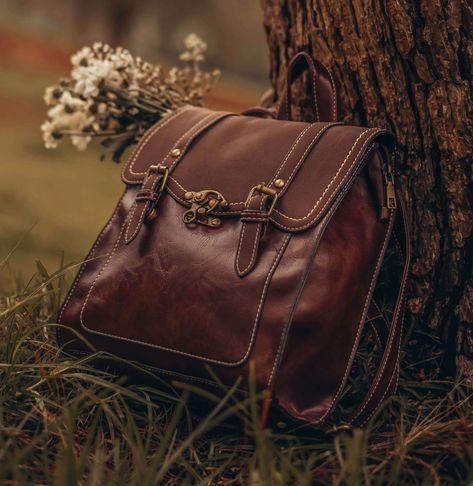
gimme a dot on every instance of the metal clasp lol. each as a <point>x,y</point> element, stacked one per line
<point>203,203</point>
<point>263,189</point>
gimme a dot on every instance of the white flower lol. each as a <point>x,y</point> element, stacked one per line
<point>81,141</point>
<point>195,49</point>
<point>50,142</point>
<point>194,42</point>
<point>49,95</point>
<point>83,55</point>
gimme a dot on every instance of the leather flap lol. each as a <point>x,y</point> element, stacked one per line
<point>232,153</point>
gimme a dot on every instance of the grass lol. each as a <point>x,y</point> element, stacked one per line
<point>64,422</point>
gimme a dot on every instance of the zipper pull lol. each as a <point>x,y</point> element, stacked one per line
<point>389,193</point>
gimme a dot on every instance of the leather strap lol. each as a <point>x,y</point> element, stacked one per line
<point>254,219</point>
<point>323,92</point>
<point>385,381</point>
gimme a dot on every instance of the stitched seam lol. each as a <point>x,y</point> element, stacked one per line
<point>302,158</point>
<point>252,219</point>
<point>132,213</point>
<point>314,91</point>
<point>390,343</point>
<point>191,133</point>
<point>336,174</point>
<point>282,341</point>
<point>240,244</point>
<point>92,251</point>
<point>177,183</point>
<point>362,423</point>
<point>255,244</point>
<point>360,325</point>
<point>298,139</point>
<point>258,312</point>
<point>326,203</point>
<point>334,97</point>
<point>309,147</point>
<point>152,131</point>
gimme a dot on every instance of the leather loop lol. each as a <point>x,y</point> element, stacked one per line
<point>254,219</point>
<point>143,200</point>
<point>322,89</point>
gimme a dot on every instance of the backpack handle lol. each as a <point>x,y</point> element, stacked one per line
<point>323,91</point>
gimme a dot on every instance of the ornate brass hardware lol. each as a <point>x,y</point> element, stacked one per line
<point>202,205</point>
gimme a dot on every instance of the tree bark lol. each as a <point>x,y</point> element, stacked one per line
<point>406,65</point>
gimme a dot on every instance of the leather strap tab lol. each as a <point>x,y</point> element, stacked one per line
<point>145,198</point>
<point>254,220</point>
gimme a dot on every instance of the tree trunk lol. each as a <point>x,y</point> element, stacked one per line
<point>406,65</point>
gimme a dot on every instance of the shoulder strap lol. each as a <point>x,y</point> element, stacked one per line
<point>385,381</point>
<point>322,91</point>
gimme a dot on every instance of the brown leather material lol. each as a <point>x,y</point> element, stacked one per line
<point>272,144</point>
<point>254,220</point>
<point>322,88</point>
<point>285,277</point>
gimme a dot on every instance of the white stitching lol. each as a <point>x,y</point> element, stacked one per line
<point>191,133</point>
<point>177,183</point>
<point>132,213</point>
<point>310,223</point>
<point>388,348</point>
<point>281,345</point>
<point>253,253</point>
<point>362,321</point>
<point>152,131</point>
<point>335,176</point>
<point>258,232</point>
<point>314,91</point>
<point>258,312</point>
<point>308,148</point>
<point>290,152</point>
<point>334,91</point>
<point>92,251</point>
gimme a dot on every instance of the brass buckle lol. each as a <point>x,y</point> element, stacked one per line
<point>151,213</point>
<point>203,203</point>
<point>263,189</point>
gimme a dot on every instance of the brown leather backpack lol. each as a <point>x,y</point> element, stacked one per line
<point>252,239</point>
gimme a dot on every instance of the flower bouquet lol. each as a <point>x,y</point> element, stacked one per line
<point>116,97</point>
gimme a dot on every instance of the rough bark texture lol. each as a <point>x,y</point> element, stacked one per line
<point>406,65</point>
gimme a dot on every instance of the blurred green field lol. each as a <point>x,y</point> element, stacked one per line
<point>53,201</point>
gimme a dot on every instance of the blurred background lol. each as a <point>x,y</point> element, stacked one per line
<point>55,201</point>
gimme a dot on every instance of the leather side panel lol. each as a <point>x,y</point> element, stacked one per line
<point>328,320</point>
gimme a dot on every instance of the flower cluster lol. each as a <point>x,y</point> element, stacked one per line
<point>116,96</point>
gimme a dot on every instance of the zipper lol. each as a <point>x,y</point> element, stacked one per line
<point>389,192</point>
